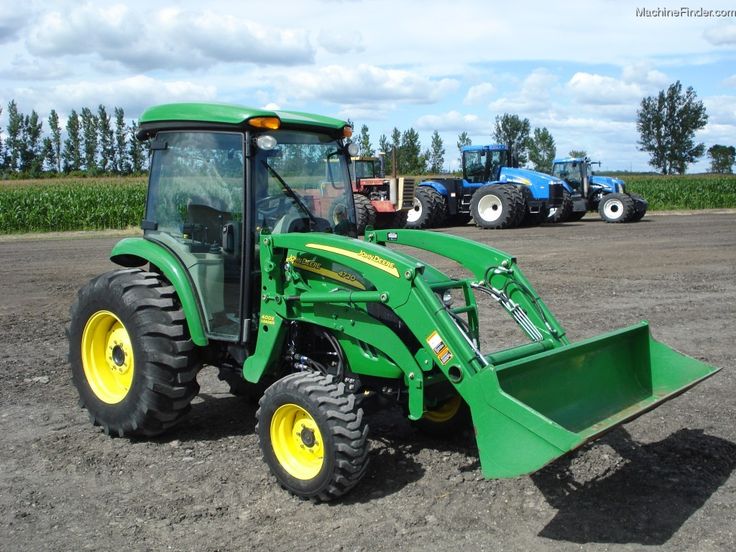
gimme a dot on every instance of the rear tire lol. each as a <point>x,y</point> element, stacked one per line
<point>132,360</point>
<point>497,206</point>
<point>313,436</point>
<point>640,207</point>
<point>616,208</point>
<point>428,209</point>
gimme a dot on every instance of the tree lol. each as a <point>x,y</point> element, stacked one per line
<point>578,154</point>
<point>136,153</point>
<point>542,150</point>
<point>105,137</point>
<point>411,159</point>
<point>122,165</point>
<point>13,141</point>
<point>72,157</point>
<point>513,131</point>
<point>463,140</point>
<point>436,154</point>
<point>364,143</point>
<point>53,147</point>
<point>31,160</point>
<point>722,158</point>
<point>667,124</point>
<point>89,134</point>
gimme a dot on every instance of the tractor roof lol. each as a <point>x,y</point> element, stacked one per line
<point>490,147</point>
<point>198,115</point>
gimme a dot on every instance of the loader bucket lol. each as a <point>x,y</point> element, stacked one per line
<point>551,403</point>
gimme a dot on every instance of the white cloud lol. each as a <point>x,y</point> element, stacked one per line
<point>133,94</point>
<point>341,42</point>
<point>595,89</point>
<point>453,121</point>
<point>169,38</point>
<point>642,73</point>
<point>721,36</point>
<point>479,93</point>
<point>535,95</point>
<point>721,110</point>
<point>730,81</point>
<point>363,83</point>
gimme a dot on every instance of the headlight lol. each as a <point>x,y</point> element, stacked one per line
<point>447,298</point>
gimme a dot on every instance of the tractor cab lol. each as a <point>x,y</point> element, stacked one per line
<point>483,164</point>
<point>214,188</point>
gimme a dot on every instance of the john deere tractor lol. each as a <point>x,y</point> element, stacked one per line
<point>249,262</point>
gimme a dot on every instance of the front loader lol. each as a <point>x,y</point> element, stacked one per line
<point>250,262</point>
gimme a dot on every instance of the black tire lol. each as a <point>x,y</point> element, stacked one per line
<point>534,219</point>
<point>365,213</point>
<point>576,216</point>
<point>329,456</point>
<point>497,206</point>
<point>616,208</point>
<point>132,360</point>
<point>237,385</point>
<point>428,209</point>
<point>563,212</point>
<point>640,207</point>
<point>448,420</point>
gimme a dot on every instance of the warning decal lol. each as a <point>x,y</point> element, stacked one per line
<point>439,348</point>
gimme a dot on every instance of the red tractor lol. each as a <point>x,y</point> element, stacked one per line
<point>380,201</point>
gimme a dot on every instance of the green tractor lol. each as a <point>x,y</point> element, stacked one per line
<point>249,262</point>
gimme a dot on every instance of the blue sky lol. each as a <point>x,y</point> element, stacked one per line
<point>578,68</point>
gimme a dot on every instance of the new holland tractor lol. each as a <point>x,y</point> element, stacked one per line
<point>490,192</point>
<point>240,266</point>
<point>380,201</point>
<point>585,191</point>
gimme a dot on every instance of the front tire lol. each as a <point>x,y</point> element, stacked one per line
<point>132,360</point>
<point>365,213</point>
<point>616,208</point>
<point>313,436</point>
<point>497,206</point>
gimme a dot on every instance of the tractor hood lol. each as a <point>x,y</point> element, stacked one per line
<point>538,182</point>
<point>608,184</point>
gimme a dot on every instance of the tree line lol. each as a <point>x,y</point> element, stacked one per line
<point>92,143</point>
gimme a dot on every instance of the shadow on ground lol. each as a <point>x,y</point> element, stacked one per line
<point>646,500</point>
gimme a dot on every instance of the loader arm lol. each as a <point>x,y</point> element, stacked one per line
<point>529,404</point>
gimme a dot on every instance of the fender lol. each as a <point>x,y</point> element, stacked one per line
<point>134,252</point>
<point>436,186</point>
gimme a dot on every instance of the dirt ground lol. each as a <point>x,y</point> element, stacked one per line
<point>665,481</point>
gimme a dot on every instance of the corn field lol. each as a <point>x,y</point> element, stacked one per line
<point>71,204</point>
<point>116,203</point>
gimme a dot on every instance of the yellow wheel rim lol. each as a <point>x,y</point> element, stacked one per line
<point>444,412</point>
<point>107,357</point>
<point>297,442</point>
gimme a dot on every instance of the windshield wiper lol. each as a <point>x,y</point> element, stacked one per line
<point>289,191</point>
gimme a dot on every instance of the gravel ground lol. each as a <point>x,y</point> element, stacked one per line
<point>664,480</point>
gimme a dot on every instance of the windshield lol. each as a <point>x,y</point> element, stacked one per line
<point>482,165</point>
<point>365,168</point>
<point>302,184</point>
<point>569,171</point>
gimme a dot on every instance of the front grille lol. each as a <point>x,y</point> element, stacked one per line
<point>407,198</point>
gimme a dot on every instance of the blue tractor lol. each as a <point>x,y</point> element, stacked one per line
<point>584,191</point>
<point>490,192</point>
